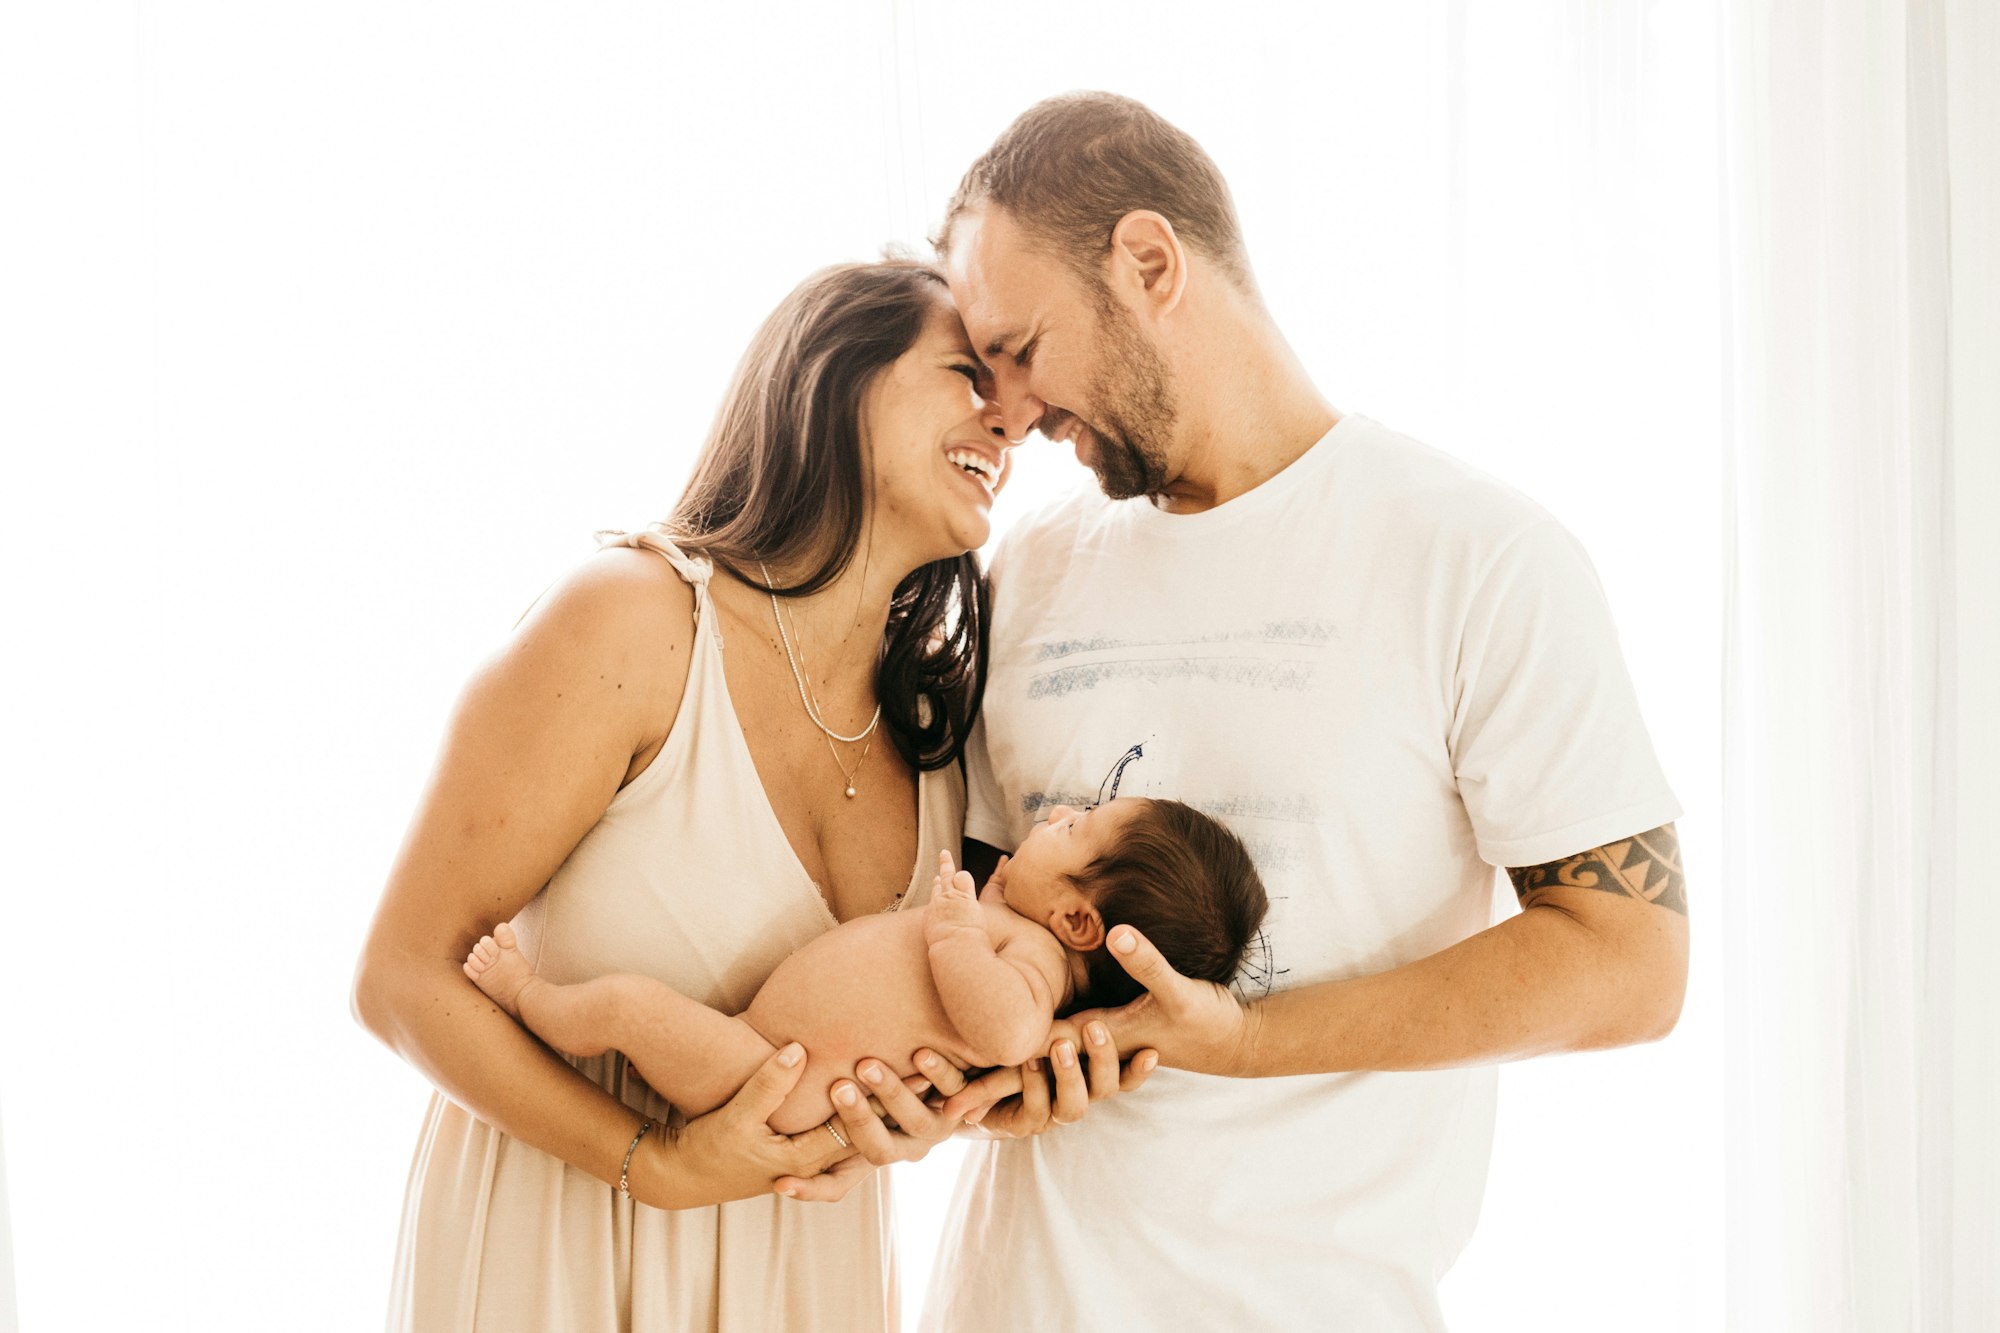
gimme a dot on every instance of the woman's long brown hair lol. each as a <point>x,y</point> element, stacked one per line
<point>782,479</point>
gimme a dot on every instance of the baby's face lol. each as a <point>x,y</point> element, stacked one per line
<point>1033,881</point>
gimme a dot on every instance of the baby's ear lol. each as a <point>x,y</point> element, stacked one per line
<point>1080,927</point>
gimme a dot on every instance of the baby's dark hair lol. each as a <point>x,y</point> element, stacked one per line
<point>1183,881</point>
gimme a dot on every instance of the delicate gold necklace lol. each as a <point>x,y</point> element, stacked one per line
<point>810,699</point>
<point>846,772</point>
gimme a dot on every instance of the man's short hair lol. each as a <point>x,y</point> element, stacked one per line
<point>1184,882</point>
<point>1071,166</point>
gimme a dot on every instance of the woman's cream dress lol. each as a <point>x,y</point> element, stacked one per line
<point>688,878</point>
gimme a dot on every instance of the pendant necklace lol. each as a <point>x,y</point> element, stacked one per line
<point>810,700</point>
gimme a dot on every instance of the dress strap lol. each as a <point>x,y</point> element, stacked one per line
<point>696,569</point>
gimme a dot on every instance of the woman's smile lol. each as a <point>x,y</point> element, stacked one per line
<point>976,466</point>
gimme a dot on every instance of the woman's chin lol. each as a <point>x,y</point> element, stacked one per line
<point>976,539</point>
<point>970,532</point>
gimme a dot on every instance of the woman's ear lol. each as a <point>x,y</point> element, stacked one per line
<point>1079,926</point>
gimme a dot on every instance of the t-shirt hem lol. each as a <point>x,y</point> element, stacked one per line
<point>990,834</point>
<point>1542,848</point>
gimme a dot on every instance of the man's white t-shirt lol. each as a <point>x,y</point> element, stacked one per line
<point>1388,674</point>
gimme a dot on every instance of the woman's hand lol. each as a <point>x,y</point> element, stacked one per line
<point>1026,1099</point>
<point>894,1122</point>
<point>733,1153</point>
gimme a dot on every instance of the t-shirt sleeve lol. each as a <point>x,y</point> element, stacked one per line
<point>985,813</point>
<point>1547,743</point>
<point>985,803</point>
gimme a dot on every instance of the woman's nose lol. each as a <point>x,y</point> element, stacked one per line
<point>1059,812</point>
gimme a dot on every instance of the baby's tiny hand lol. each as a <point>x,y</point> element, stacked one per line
<point>954,902</point>
<point>952,880</point>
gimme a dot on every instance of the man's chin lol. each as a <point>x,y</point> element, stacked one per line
<point>1084,446</point>
<point>1117,481</point>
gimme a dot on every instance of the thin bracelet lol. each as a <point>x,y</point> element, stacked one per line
<point>625,1167</point>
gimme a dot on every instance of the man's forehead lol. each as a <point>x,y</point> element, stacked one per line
<point>990,271</point>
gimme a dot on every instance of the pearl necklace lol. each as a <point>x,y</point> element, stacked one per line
<point>811,701</point>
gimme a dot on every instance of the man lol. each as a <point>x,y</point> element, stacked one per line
<point>1386,672</point>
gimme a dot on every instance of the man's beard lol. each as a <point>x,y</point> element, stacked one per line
<point>1135,410</point>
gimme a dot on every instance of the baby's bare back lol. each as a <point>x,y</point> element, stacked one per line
<point>863,989</point>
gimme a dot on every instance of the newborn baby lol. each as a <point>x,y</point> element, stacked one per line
<point>978,979</point>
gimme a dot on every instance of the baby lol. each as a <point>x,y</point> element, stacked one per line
<point>978,979</point>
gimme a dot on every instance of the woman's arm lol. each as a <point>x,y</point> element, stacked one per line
<point>542,739</point>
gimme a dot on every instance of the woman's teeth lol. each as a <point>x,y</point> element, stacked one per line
<point>976,464</point>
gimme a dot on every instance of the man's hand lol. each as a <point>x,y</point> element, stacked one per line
<point>1195,1025</point>
<point>1018,1102</point>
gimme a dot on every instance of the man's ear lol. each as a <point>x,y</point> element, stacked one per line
<point>1148,262</point>
<point>1078,925</point>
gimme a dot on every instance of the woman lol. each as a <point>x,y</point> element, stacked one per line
<point>637,799</point>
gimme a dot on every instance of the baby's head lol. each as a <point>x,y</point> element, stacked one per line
<point>1182,879</point>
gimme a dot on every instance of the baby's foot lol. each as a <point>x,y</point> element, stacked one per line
<point>497,966</point>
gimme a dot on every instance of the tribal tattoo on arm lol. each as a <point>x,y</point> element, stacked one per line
<point>1647,866</point>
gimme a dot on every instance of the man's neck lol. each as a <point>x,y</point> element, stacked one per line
<point>1248,412</point>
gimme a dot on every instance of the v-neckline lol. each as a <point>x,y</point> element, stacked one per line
<point>742,741</point>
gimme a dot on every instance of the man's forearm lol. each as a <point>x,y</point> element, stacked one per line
<point>1551,979</point>
<point>1597,957</point>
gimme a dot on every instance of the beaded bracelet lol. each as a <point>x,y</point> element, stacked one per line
<point>625,1167</point>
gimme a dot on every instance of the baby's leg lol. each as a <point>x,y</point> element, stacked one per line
<point>693,1056</point>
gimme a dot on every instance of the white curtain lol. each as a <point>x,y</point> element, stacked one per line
<point>1860,741</point>
<point>7,1319</point>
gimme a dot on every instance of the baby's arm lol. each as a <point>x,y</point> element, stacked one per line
<point>1001,1003</point>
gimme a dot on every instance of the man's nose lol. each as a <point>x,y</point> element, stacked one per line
<point>993,420</point>
<point>1019,409</point>
<point>1019,417</point>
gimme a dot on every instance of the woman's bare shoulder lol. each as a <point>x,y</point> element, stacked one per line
<point>622,618</point>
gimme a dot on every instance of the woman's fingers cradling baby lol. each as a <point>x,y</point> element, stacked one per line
<point>865,1114</point>
<point>937,1075</point>
<point>732,1152</point>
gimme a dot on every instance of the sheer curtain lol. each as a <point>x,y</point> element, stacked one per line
<point>7,1320</point>
<point>1860,728</point>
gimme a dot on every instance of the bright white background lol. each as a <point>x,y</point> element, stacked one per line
<point>332,332</point>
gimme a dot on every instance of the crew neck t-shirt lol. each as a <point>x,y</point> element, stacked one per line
<point>1388,674</point>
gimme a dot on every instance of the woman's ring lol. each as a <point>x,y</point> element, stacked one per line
<point>833,1127</point>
